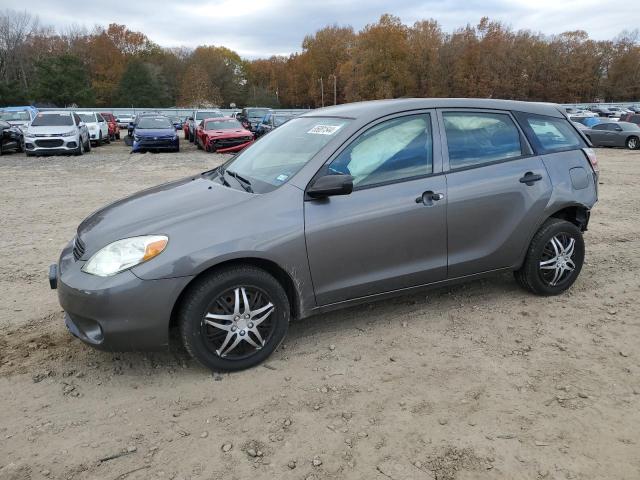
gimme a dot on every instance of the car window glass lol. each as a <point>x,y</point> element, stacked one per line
<point>600,126</point>
<point>553,134</point>
<point>614,127</point>
<point>392,150</point>
<point>478,138</point>
<point>52,120</point>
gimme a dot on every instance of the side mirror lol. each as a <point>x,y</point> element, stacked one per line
<point>331,185</point>
<point>81,124</point>
<point>190,119</point>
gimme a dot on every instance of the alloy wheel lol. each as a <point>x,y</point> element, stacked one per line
<point>238,323</point>
<point>632,143</point>
<point>557,263</point>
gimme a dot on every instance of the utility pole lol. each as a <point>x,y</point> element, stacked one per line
<point>322,91</point>
<point>334,89</point>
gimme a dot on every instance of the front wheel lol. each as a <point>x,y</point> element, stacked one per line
<point>80,149</point>
<point>234,319</point>
<point>633,143</point>
<point>554,258</point>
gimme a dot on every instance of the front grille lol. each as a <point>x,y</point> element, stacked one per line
<point>230,142</point>
<point>51,143</point>
<point>78,248</point>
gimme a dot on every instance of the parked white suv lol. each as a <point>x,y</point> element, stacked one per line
<point>98,127</point>
<point>56,132</point>
<point>198,115</point>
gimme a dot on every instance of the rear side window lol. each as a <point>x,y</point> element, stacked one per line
<point>476,138</point>
<point>550,134</point>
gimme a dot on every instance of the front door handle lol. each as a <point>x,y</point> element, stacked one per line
<point>530,178</point>
<point>429,197</point>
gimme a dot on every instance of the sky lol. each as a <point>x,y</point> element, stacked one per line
<point>261,28</point>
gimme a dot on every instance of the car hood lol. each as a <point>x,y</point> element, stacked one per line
<point>154,132</point>
<point>158,210</point>
<point>228,133</point>
<point>50,130</point>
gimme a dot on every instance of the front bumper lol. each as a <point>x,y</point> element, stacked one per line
<point>51,144</point>
<point>219,147</point>
<point>117,313</point>
<point>160,144</point>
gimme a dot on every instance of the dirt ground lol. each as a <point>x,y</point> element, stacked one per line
<point>481,381</point>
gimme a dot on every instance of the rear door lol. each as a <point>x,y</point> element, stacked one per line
<point>390,232</point>
<point>497,189</point>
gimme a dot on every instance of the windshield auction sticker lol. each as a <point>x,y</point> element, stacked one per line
<point>324,129</point>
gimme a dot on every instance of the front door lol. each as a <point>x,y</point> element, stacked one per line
<point>390,232</point>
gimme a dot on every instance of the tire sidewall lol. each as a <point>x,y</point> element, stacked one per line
<point>199,299</point>
<point>547,232</point>
<point>637,143</point>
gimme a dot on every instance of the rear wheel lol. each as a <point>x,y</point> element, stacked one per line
<point>554,258</point>
<point>633,143</point>
<point>234,319</point>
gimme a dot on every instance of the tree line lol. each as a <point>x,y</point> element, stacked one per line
<point>117,67</point>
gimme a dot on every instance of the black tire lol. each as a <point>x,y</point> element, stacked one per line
<point>118,136</point>
<point>87,147</point>
<point>541,280</point>
<point>214,292</point>
<point>198,146</point>
<point>633,143</point>
<point>80,148</point>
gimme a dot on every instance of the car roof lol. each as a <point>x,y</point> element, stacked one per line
<point>57,112</point>
<point>18,109</point>
<point>377,108</point>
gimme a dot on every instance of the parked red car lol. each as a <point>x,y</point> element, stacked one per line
<point>114,128</point>
<point>222,135</point>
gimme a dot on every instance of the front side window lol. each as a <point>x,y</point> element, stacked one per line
<point>476,138</point>
<point>552,134</point>
<point>269,163</point>
<point>600,126</point>
<point>393,150</point>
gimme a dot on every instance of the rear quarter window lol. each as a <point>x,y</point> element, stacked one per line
<point>550,134</point>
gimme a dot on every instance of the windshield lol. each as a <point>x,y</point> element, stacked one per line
<point>209,114</point>
<point>87,117</point>
<point>20,116</point>
<point>257,112</point>
<point>278,120</point>
<point>154,122</point>
<point>269,163</point>
<point>222,124</point>
<point>52,120</point>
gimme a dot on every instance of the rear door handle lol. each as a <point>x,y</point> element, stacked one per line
<point>530,178</point>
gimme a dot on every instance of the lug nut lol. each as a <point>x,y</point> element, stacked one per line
<point>246,316</point>
<point>250,324</point>
<point>234,328</point>
<point>241,333</point>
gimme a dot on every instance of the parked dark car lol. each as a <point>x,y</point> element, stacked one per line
<point>615,134</point>
<point>222,135</point>
<point>338,207</point>
<point>634,108</point>
<point>631,117</point>
<point>132,125</point>
<point>272,121</point>
<point>155,132</point>
<point>601,111</point>
<point>10,138</point>
<point>177,123</point>
<point>251,117</point>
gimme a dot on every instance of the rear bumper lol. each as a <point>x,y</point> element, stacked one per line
<point>117,313</point>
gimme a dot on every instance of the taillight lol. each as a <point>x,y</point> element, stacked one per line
<point>593,160</point>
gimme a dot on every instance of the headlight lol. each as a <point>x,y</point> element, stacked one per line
<point>123,254</point>
<point>68,134</point>
<point>136,138</point>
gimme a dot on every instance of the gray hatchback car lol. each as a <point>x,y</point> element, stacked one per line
<point>340,206</point>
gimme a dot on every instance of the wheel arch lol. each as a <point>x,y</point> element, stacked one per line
<point>273,268</point>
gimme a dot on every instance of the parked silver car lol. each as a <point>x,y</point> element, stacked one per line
<point>338,207</point>
<point>56,132</point>
<point>614,134</point>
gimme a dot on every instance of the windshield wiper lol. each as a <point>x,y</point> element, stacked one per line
<point>244,183</point>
